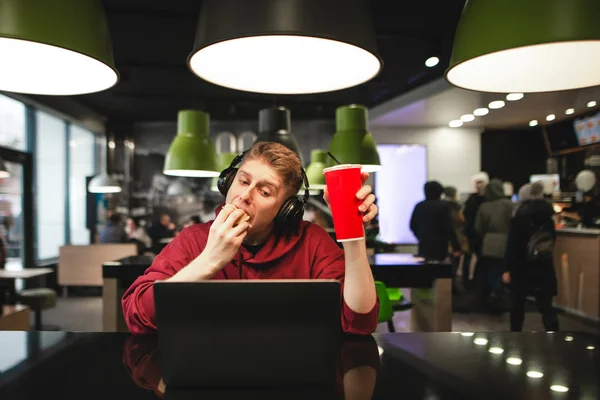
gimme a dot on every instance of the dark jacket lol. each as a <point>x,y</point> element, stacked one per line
<point>493,220</point>
<point>472,205</point>
<point>431,223</point>
<point>112,232</point>
<point>530,276</point>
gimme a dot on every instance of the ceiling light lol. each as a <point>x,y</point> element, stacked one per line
<point>258,46</point>
<point>274,125</point>
<point>590,348</point>
<point>489,54</point>
<point>192,152</point>
<point>480,112</point>
<point>314,171</point>
<point>467,118</point>
<point>559,388</point>
<point>550,117</point>
<point>494,105</point>
<point>352,143</point>
<point>514,361</point>
<point>467,334</point>
<point>456,123</point>
<point>514,96</point>
<point>52,50</point>
<point>103,183</point>
<point>496,350</point>
<point>533,122</point>
<point>569,111</point>
<point>568,338</point>
<point>591,104</point>
<point>432,62</point>
<point>534,374</point>
<point>480,341</point>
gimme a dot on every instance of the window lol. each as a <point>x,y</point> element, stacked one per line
<point>12,124</point>
<point>50,176</point>
<point>81,165</point>
<point>398,188</point>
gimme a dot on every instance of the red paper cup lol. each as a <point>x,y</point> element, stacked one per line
<point>343,182</point>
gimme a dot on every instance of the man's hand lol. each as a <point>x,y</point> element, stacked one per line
<point>506,277</point>
<point>368,207</point>
<point>224,239</point>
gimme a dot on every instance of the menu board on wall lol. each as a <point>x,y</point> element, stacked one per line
<point>587,129</point>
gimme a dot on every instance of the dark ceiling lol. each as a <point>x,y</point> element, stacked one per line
<point>152,40</point>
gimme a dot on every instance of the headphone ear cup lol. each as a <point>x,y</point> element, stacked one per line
<point>225,180</point>
<point>290,214</point>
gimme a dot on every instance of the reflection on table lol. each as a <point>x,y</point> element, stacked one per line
<point>386,366</point>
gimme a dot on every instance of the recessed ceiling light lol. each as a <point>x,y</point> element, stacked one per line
<point>481,112</point>
<point>467,118</point>
<point>432,62</point>
<point>533,122</point>
<point>514,96</point>
<point>590,347</point>
<point>514,361</point>
<point>568,338</point>
<point>591,104</point>
<point>570,111</point>
<point>496,350</point>
<point>534,374</point>
<point>455,123</point>
<point>550,117</point>
<point>480,341</point>
<point>467,334</point>
<point>559,388</point>
<point>494,105</point>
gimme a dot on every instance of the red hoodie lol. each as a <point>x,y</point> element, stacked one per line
<point>309,254</point>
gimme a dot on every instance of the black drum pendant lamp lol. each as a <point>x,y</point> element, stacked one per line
<point>285,46</point>
<point>274,125</point>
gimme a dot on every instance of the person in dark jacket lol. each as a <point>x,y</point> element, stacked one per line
<point>527,277</point>
<point>470,211</point>
<point>431,223</point>
<point>112,231</point>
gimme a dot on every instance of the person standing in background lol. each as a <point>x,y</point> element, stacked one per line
<point>470,210</point>
<point>431,223</point>
<point>458,220</point>
<point>112,231</point>
<point>491,225</point>
<point>526,276</point>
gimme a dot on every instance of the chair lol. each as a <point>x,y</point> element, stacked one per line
<point>37,299</point>
<point>389,304</point>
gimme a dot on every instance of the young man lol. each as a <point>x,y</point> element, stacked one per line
<point>225,248</point>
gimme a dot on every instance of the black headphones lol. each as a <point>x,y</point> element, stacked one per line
<point>292,210</point>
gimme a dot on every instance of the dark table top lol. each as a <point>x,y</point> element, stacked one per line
<point>386,366</point>
<point>395,269</point>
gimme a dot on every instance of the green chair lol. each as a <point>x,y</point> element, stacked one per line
<point>38,299</point>
<point>390,300</point>
<point>385,306</point>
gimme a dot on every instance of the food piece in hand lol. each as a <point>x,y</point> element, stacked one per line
<point>244,218</point>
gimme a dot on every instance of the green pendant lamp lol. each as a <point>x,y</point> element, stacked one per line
<point>314,171</point>
<point>352,142</point>
<point>225,160</point>
<point>285,46</point>
<point>526,46</point>
<point>55,47</point>
<point>192,152</point>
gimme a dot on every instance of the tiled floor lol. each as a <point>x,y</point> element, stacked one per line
<point>85,314</point>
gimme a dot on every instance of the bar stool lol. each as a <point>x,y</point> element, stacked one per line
<point>38,299</point>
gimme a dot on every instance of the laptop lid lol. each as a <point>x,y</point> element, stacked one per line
<point>252,333</point>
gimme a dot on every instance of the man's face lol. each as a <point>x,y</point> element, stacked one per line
<point>165,220</point>
<point>258,190</point>
<point>480,187</point>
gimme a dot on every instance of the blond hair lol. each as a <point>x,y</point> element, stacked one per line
<point>281,159</point>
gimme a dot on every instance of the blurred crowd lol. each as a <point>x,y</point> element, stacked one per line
<point>500,245</point>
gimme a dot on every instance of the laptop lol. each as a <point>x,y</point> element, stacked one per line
<point>248,333</point>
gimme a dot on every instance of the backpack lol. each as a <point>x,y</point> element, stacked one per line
<point>540,245</point>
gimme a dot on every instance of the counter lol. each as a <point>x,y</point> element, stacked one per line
<point>577,263</point>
